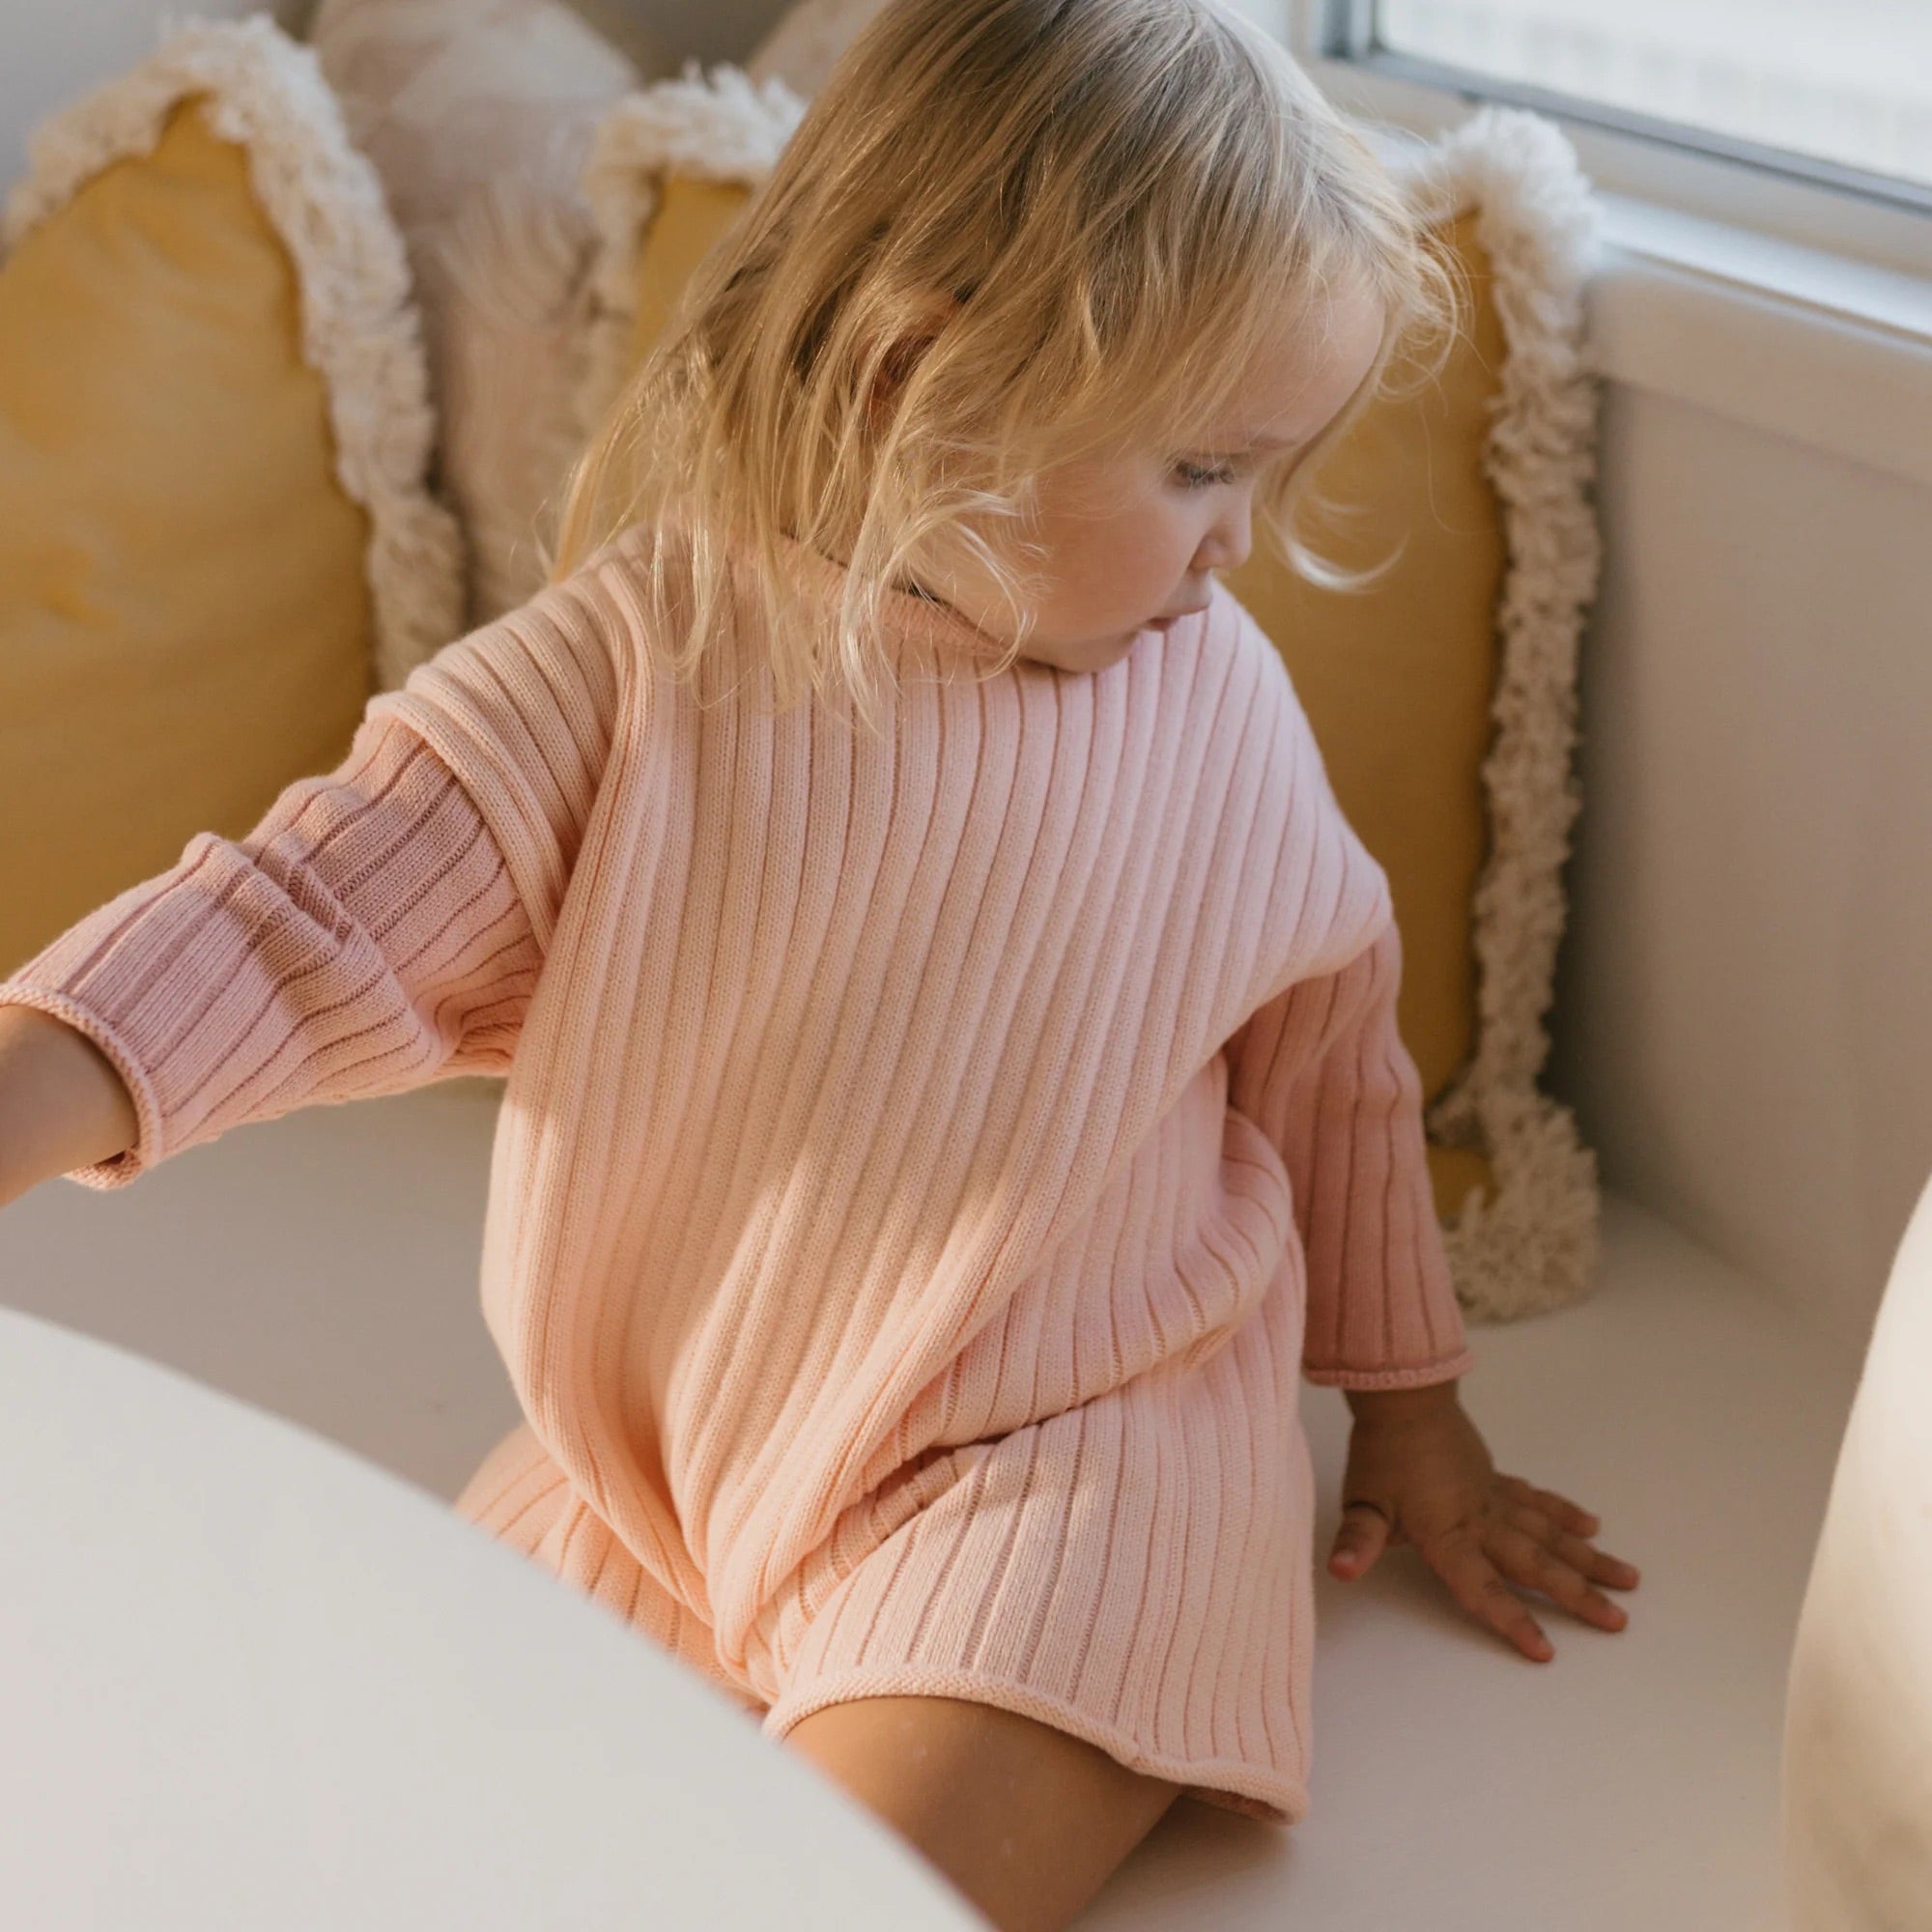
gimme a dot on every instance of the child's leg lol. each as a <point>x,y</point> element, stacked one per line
<point>1025,1820</point>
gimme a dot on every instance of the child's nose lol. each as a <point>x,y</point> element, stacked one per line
<point>1228,544</point>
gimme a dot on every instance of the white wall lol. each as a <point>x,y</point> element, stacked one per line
<point>1744,1003</point>
<point>53,50</point>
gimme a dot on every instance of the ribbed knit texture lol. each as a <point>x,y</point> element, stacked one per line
<point>926,1163</point>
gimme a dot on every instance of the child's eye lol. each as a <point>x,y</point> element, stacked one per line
<point>1194,477</point>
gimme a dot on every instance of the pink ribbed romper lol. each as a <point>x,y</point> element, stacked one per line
<point>925,1164</point>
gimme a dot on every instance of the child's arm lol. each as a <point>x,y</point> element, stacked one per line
<point>1383,1318</point>
<point>381,928</point>
<point>61,1101</point>
<point>1381,1310</point>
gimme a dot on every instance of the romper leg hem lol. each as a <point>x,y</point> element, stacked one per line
<point>1230,1784</point>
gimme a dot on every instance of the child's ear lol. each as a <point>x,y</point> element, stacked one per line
<point>902,357</point>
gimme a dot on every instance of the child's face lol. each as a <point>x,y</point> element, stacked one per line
<point>1131,539</point>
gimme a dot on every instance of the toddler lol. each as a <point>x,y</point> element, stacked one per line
<point>954,1087</point>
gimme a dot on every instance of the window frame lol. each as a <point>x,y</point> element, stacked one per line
<point>1883,222</point>
<point>1784,306</point>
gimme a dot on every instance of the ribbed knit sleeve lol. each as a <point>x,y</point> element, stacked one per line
<point>382,926</point>
<point>1322,1070</point>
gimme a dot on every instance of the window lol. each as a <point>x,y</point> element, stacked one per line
<point>1838,92</point>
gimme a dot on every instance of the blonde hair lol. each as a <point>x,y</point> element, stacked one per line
<point>1123,200</point>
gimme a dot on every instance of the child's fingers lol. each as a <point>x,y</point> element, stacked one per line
<point>1524,1560</point>
<point>1599,1565</point>
<point>1560,1509</point>
<point>1475,1583</point>
<point>1361,1538</point>
<point>1581,1554</point>
<point>1587,1523</point>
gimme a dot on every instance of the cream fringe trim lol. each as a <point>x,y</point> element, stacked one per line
<point>360,330</point>
<point>1536,1245</point>
<point>722,130</point>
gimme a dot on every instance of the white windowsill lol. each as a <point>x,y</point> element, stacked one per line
<point>1790,308</point>
<point>1830,352</point>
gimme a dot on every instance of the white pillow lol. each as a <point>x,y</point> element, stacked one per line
<point>478,116</point>
<point>709,127</point>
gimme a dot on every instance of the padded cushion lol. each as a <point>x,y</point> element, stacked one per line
<point>690,217</point>
<point>1397,681</point>
<point>478,114</point>
<point>185,617</point>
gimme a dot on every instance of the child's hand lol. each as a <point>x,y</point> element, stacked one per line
<point>1419,1472</point>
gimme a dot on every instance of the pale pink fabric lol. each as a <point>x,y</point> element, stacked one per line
<point>916,1154</point>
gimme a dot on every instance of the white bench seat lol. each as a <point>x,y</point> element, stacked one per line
<point>1630,1781</point>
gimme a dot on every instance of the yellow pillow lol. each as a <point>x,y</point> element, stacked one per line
<point>215,540</point>
<point>1443,699</point>
<point>1397,682</point>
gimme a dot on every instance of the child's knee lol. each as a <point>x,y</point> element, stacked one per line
<point>1025,1820</point>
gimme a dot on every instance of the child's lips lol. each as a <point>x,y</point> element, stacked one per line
<point>1168,623</point>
